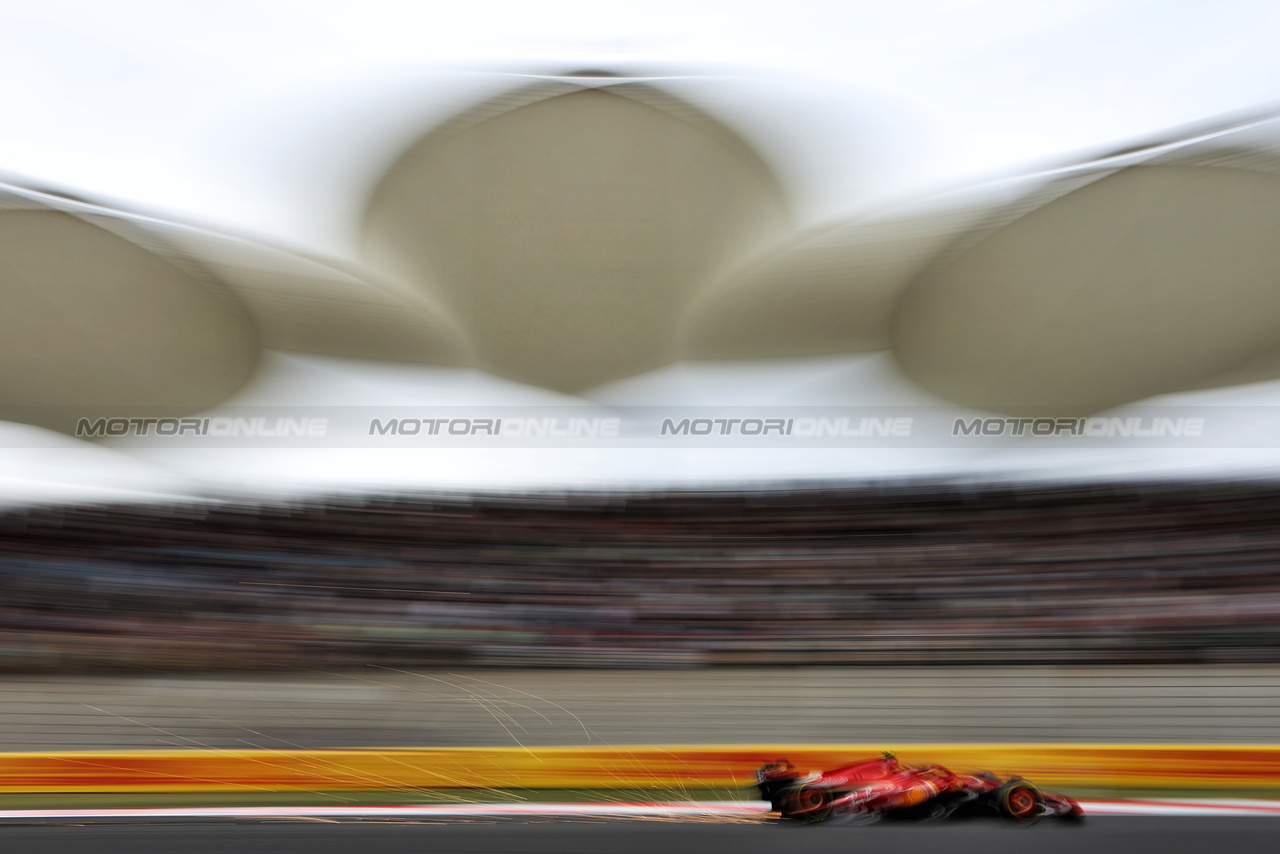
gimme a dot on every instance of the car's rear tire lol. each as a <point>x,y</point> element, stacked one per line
<point>806,803</point>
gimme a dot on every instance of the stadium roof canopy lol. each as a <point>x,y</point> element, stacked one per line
<point>113,311</point>
<point>1080,288</point>
<point>567,224</point>
<point>577,231</point>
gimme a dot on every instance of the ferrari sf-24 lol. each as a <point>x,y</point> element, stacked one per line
<point>883,787</point>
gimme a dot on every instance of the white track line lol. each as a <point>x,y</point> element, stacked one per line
<point>1173,807</point>
<point>1182,807</point>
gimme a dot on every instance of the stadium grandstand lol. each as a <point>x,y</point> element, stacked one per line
<point>1150,573</point>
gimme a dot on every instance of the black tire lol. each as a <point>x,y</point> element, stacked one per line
<point>806,803</point>
<point>1020,803</point>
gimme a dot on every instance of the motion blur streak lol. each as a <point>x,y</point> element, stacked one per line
<point>664,768</point>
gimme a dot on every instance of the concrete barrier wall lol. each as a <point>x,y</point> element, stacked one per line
<point>880,706</point>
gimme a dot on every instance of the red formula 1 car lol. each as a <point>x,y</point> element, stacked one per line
<point>883,787</point>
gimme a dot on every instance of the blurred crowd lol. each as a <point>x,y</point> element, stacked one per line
<point>906,574</point>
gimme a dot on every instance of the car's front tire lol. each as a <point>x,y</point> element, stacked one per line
<point>1020,803</point>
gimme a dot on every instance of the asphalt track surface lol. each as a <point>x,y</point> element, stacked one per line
<point>1102,835</point>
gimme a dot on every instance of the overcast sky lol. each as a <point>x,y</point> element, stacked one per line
<point>273,116</point>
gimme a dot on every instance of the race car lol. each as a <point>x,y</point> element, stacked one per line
<point>882,787</point>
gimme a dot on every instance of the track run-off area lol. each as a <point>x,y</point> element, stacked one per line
<point>666,831</point>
